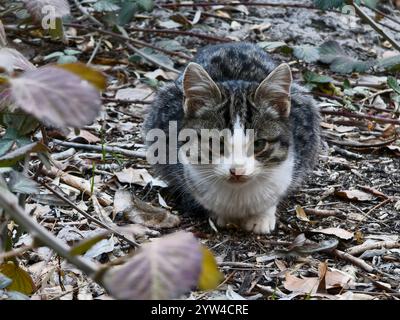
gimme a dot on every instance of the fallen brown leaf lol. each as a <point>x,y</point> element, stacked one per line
<point>354,195</point>
<point>338,232</point>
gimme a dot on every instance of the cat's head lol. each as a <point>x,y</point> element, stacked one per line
<point>252,119</point>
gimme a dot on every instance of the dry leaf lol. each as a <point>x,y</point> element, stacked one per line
<point>333,279</point>
<point>354,195</point>
<point>84,135</point>
<point>338,232</point>
<point>131,94</point>
<point>140,177</point>
<point>150,216</point>
<point>301,214</point>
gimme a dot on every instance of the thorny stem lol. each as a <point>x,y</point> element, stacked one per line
<point>9,202</point>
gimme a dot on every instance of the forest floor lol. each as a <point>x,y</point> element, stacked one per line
<point>337,236</point>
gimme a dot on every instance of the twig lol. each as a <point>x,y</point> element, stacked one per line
<point>151,59</point>
<point>125,39</point>
<point>15,252</point>
<point>126,101</point>
<point>375,94</point>
<point>383,14</point>
<point>323,213</point>
<point>87,14</point>
<point>377,206</point>
<point>357,250</point>
<point>64,154</point>
<point>81,184</point>
<point>96,49</point>
<point>354,144</point>
<point>354,260</point>
<point>251,4</point>
<point>9,202</point>
<point>239,265</point>
<point>360,116</point>
<point>374,25</point>
<point>213,15</point>
<point>374,192</point>
<point>128,153</point>
<point>88,216</point>
<point>347,153</point>
<point>182,32</point>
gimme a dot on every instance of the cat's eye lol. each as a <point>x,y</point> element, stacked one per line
<point>260,145</point>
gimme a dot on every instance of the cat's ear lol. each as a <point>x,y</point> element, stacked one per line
<point>199,89</point>
<point>274,90</point>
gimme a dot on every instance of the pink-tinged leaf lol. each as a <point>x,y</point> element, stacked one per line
<point>163,269</point>
<point>56,96</point>
<point>40,8</point>
<point>11,60</point>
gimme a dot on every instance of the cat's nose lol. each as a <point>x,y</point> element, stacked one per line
<point>238,174</point>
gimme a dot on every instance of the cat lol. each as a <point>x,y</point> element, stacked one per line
<point>235,87</point>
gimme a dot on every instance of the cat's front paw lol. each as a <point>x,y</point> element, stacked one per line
<point>263,224</point>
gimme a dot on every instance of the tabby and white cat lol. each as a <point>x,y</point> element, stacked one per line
<point>238,87</point>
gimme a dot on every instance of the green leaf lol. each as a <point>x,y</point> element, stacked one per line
<point>22,123</point>
<point>371,3</point>
<point>333,54</point>
<point>171,45</point>
<point>127,12</point>
<point>329,4</point>
<point>14,156</point>
<point>10,138</point>
<point>162,58</point>
<point>6,144</point>
<point>83,246</point>
<point>53,55</point>
<point>348,65</point>
<point>105,6</point>
<point>146,5</point>
<point>72,52</point>
<point>58,31</point>
<point>346,84</point>
<point>67,59</point>
<point>390,63</point>
<point>19,183</point>
<point>312,77</point>
<point>307,53</point>
<point>394,84</point>
<point>272,45</point>
<point>21,280</point>
<point>329,51</point>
